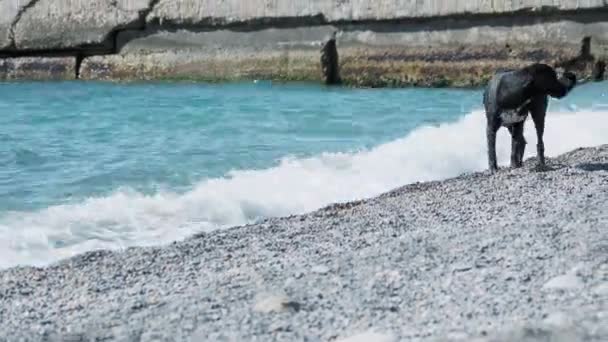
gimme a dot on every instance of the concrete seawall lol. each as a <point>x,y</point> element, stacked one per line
<point>387,43</point>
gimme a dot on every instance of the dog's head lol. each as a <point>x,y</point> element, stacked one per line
<point>544,80</point>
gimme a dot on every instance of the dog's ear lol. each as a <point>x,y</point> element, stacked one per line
<point>568,78</point>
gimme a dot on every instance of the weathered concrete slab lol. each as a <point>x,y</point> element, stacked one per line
<point>214,12</point>
<point>38,68</point>
<point>287,54</point>
<point>60,24</point>
<point>56,24</point>
<point>280,39</point>
<point>262,40</point>
<point>213,66</point>
<point>376,54</point>
<point>8,13</point>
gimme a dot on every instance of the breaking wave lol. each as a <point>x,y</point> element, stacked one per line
<point>128,218</point>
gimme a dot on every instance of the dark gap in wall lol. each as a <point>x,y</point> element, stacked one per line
<point>330,62</point>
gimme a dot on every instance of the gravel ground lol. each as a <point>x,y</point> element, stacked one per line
<point>515,256</point>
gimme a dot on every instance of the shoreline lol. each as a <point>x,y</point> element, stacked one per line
<point>462,258</point>
<point>241,82</point>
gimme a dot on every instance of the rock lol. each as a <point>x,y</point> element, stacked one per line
<point>68,24</point>
<point>213,40</point>
<point>38,68</point>
<point>458,336</point>
<point>57,24</point>
<point>275,303</point>
<point>564,282</point>
<point>369,336</point>
<point>8,13</point>
<point>601,289</point>
<point>268,54</point>
<point>216,13</point>
<point>558,320</point>
<point>462,268</point>
<point>364,51</point>
<point>320,269</point>
<point>537,334</point>
<point>268,304</point>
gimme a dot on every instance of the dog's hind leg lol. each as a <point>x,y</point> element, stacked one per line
<point>491,130</point>
<point>518,144</point>
<point>538,111</point>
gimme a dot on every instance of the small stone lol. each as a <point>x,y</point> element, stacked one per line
<point>271,303</point>
<point>601,289</point>
<point>462,268</point>
<point>25,291</point>
<point>558,320</point>
<point>276,303</point>
<point>369,336</point>
<point>289,282</point>
<point>295,306</point>
<point>279,327</point>
<point>457,335</point>
<point>320,269</point>
<point>564,282</point>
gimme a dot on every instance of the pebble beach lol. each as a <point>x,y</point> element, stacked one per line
<point>518,255</point>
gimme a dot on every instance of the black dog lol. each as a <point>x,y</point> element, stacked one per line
<point>510,96</point>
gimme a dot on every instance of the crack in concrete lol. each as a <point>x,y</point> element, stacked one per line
<point>144,14</point>
<point>140,25</point>
<point>330,62</point>
<point>11,31</point>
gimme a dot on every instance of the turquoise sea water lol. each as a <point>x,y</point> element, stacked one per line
<point>99,165</point>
